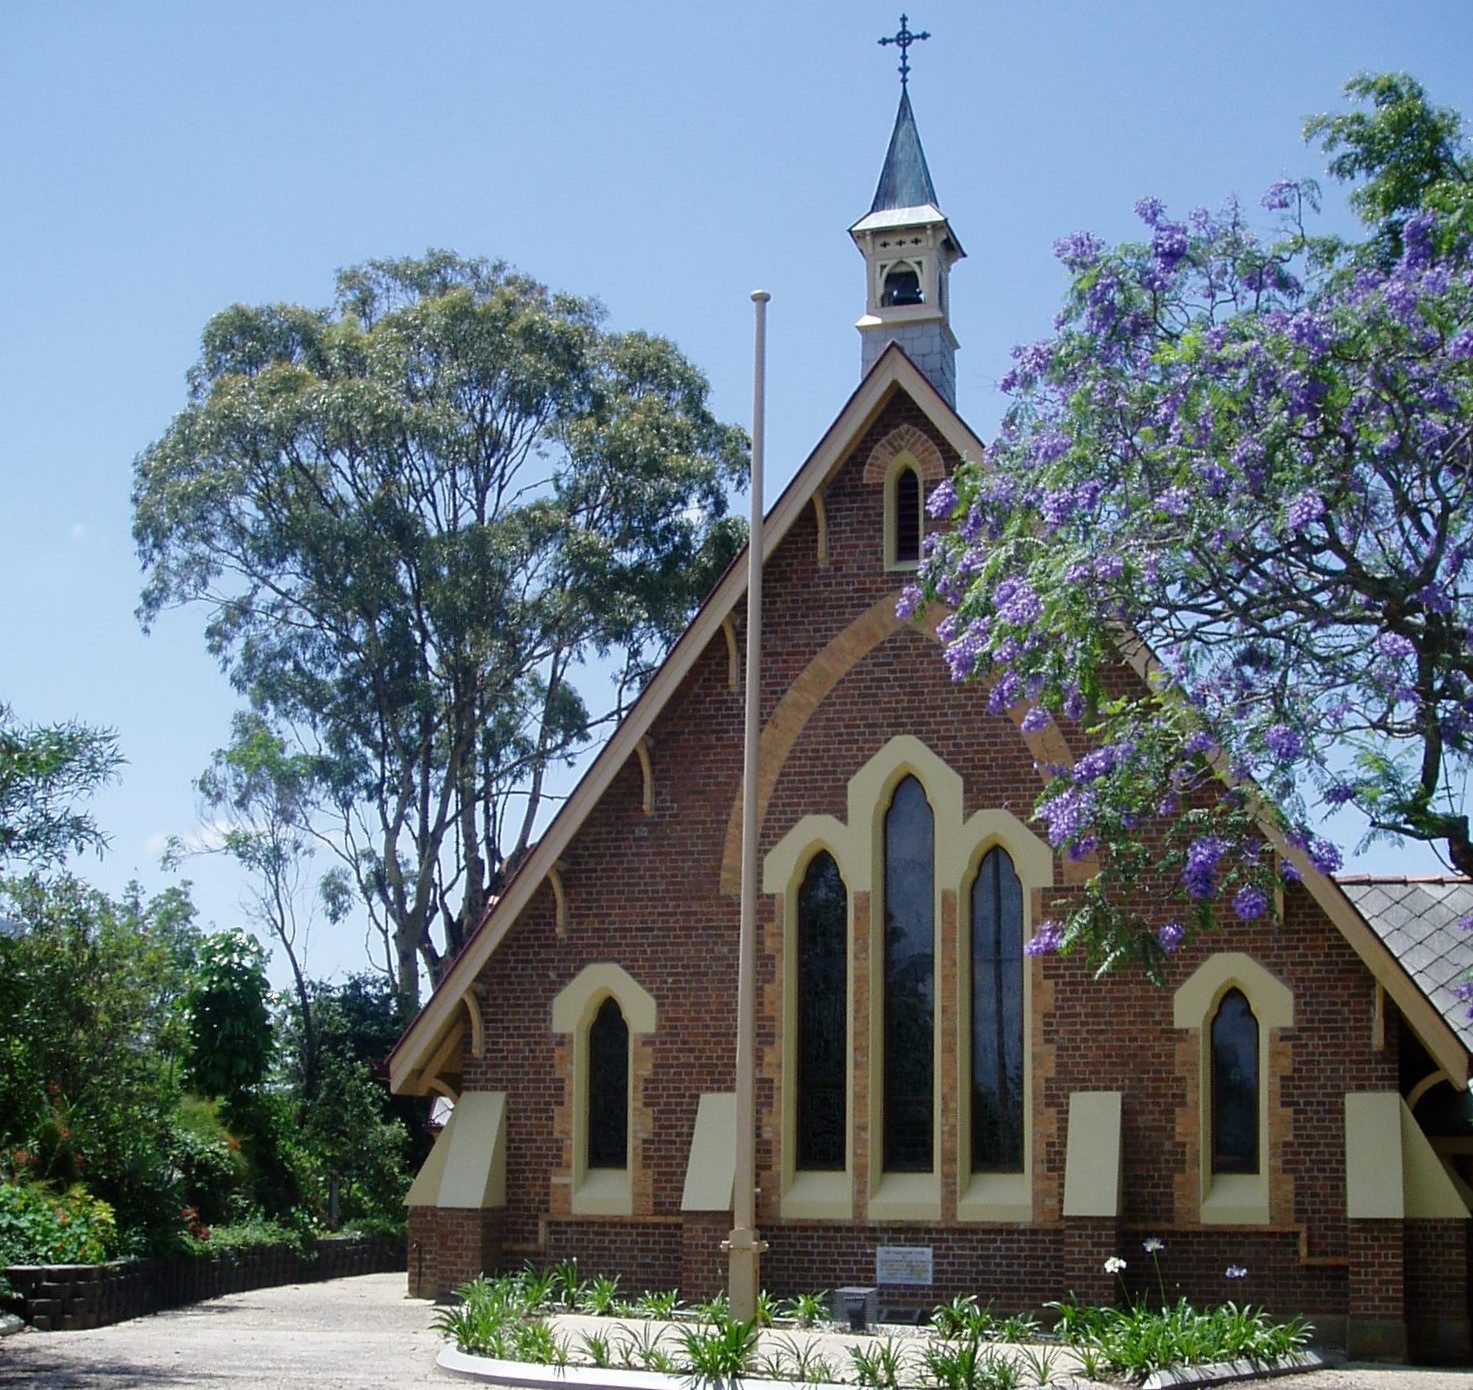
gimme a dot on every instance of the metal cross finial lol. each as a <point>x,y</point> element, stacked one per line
<point>904,39</point>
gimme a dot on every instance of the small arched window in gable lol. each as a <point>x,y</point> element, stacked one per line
<point>608,1087</point>
<point>905,519</point>
<point>902,287</point>
<point>823,1016</point>
<point>997,1016</point>
<point>1234,1086</point>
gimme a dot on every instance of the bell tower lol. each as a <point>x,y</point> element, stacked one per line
<point>908,248</point>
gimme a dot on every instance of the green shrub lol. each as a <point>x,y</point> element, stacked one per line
<point>880,1366</point>
<point>259,1232</point>
<point>37,1227</point>
<point>720,1350</point>
<point>1136,1341</point>
<point>806,1309</point>
<point>214,1174</point>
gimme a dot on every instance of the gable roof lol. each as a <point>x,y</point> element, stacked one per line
<point>893,371</point>
<point>420,1051</point>
<point>1419,920</point>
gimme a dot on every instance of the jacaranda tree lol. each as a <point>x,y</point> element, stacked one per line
<point>1247,459</point>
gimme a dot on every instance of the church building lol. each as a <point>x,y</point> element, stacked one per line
<point>938,1112</point>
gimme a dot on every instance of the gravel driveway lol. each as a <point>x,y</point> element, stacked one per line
<point>359,1332</point>
<point>339,1333</point>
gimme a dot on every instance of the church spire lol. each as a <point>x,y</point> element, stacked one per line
<point>909,249</point>
<point>905,181</point>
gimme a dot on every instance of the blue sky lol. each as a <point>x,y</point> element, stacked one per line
<point>161,161</point>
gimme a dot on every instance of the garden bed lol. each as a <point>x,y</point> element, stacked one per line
<point>71,1297</point>
<point>543,1329</point>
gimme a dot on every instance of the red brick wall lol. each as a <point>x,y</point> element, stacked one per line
<point>450,1245</point>
<point>644,1254</point>
<point>643,891</point>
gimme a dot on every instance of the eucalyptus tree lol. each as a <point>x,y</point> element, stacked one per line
<point>46,770</point>
<point>410,518</point>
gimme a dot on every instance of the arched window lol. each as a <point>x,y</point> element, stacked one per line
<point>907,518</point>
<point>997,1016</point>
<point>1234,1086</point>
<point>823,1016</point>
<point>910,970</point>
<point>608,1087</point>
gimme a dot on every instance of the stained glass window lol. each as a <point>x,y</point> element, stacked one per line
<point>910,857</point>
<point>997,1017</point>
<point>608,1088</point>
<point>823,1042</point>
<point>1234,1086</point>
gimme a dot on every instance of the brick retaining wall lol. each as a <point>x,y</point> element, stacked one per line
<point>71,1297</point>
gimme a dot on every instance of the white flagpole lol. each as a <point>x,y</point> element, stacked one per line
<point>744,1245</point>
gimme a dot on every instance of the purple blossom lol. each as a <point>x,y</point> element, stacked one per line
<point>1035,721</point>
<point>964,653</point>
<point>1045,941</point>
<point>1393,645</point>
<point>908,603</point>
<point>1416,240</point>
<point>1213,476</point>
<point>1057,506</point>
<point>943,499</point>
<point>1307,507</point>
<point>1049,446</point>
<point>1324,856</point>
<point>1199,741</point>
<point>1016,602</point>
<point>1100,762</point>
<point>1109,566</point>
<point>1175,501</point>
<point>1150,210</point>
<point>1079,250</point>
<point>1338,793</point>
<point>1283,742</point>
<point>1169,245</point>
<point>1170,935</point>
<point>1280,195</point>
<point>1074,698</point>
<point>1250,903</point>
<point>1200,872</point>
<point>1004,694</point>
<point>1068,815</point>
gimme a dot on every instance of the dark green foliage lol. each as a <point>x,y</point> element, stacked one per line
<point>91,991</point>
<point>1402,154</point>
<point>44,770</point>
<point>229,1023</point>
<point>215,1177</point>
<point>39,1227</point>
<point>351,1128</point>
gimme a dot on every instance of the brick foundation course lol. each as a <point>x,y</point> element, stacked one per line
<point>58,1298</point>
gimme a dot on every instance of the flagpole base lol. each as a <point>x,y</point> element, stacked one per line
<point>743,1278</point>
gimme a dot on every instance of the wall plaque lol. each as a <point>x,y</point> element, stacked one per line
<point>903,1264</point>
